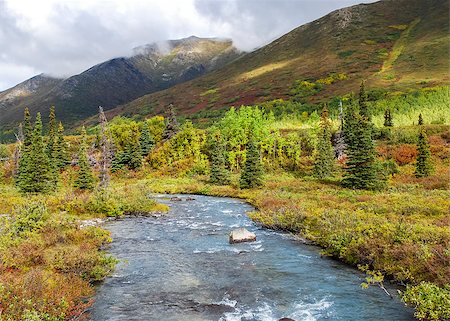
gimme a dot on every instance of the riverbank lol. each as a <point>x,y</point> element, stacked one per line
<point>401,232</point>
<point>52,250</point>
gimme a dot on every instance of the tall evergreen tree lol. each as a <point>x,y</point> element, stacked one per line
<point>51,146</point>
<point>219,173</point>
<point>363,108</point>
<point>172,126</point>
<point>22,178</point>
<point>37,176</point>
<point>324,157</point>
<point>252,173</point>
<point>146,140</point>
<point>361,167</point>
<point>119,161</point>
<point>61,155</point>
<point>85,178</point>
<point>424,167</point>
<point>420,120</point>
<point>27,128</point>
<point>133,149</point>
<point>52,130</point>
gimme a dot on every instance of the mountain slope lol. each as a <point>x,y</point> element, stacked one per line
<point>118,81</point>
<point>34,86</point>
<point>394,44</point>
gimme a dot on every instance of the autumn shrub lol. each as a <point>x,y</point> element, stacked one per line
<point>38,294</point>
<point>48,264</point>
<point>82,260</point>
<point>405,154</point>
<point>446,136</point>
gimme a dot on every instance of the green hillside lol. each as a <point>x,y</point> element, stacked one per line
<point>397,46</point>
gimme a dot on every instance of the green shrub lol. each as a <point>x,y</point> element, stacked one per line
<point>4,153</point>
<point>103,202</point>
<point>430,301</point>
<point>28,219</point>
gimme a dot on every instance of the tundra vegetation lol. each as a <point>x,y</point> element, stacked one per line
<point>383,205</point>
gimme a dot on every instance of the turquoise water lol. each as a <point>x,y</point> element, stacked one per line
<point>181,267</point>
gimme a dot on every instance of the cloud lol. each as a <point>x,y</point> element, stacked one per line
<point>64,37</point>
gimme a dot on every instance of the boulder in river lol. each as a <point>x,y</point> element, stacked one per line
<point>241,235</point>
<point>175,199</point>
<point>286,319</point>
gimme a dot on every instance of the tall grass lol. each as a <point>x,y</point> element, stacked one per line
<point>433,103</point>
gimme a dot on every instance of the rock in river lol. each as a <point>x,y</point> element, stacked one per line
<point>241,235</point>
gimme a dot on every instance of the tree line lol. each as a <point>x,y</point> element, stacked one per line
<point>41,158</point>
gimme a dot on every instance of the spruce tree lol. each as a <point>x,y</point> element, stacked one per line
<point>133,149</point>
<point>420,120</point>
<point>424,167</point>
<point>52,130</point>
<point>27,128</point>
<point>22,178</point>
<point>146,140</point>
<point>61,156</point>
<point>252,173</point>
<point>363,109</point>
<point>219,174</point>
<point>324,158</point>
<point>361,166</point>
<point>85,179</point>
<point>118,161</point>
<point>37,176</point>
<point>51,146</point>
<point>172,125</point>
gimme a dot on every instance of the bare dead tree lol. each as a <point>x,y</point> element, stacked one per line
<point>106,150</point>
<point>17,150</point>
<point>339,139</point>
<point>172,126</point>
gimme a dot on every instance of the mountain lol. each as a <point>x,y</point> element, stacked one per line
<point>34,86</point>
<point>397,45</point>
<point>117,81</point>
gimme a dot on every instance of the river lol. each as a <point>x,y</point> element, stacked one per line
<point>180,267</point>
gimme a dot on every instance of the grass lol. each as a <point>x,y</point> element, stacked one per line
<point>399,46</point>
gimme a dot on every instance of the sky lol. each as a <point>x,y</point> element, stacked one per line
<point>65,37</point>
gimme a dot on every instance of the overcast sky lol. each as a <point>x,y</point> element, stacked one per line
<point>65,37</point>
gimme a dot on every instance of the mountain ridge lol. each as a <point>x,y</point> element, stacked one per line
<point>118,80</point>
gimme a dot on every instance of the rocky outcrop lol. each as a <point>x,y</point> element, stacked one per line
<point>241,235</point>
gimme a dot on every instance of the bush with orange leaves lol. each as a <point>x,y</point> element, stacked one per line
<point>404,154</point>
<point>48,264</point>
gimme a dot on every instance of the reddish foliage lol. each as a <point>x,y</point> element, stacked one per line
<point>405,154</point>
